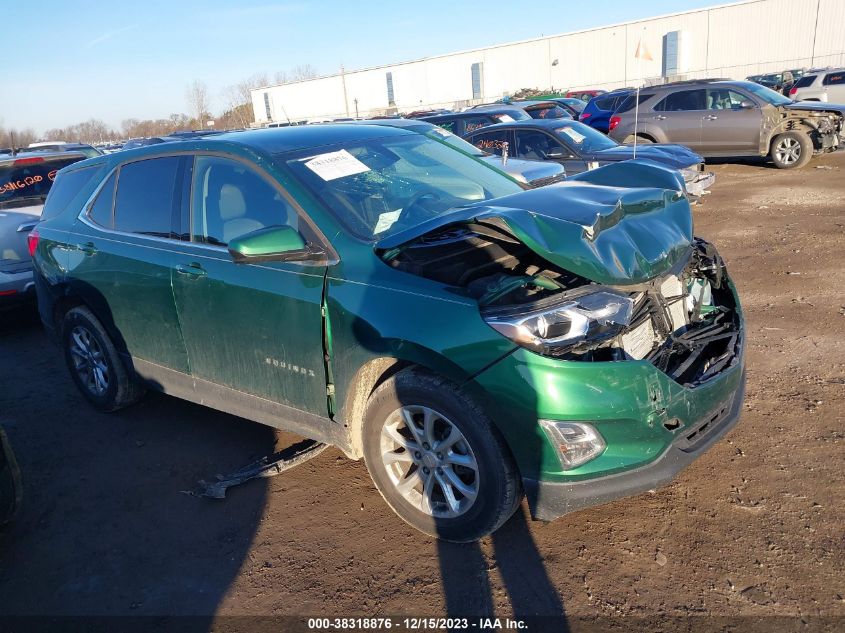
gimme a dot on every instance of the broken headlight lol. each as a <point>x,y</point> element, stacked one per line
<point>565,326</point>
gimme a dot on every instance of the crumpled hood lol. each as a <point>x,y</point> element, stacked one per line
<point>674,156</point>
<point>620,224</point>
<point>816,106</point>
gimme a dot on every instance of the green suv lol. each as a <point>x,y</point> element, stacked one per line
<point>380,291</point>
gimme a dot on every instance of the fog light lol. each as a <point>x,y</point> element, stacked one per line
<point>576,443</point>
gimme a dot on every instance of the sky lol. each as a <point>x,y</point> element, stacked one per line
<point>115,60</point>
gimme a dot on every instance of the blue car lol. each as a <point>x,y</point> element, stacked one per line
<point>599,109</point>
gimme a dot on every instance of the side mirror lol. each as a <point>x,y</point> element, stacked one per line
<point>746,104</point>
<point>270,244</point>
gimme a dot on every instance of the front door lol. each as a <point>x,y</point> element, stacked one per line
<point>256,328</point>
<point>124,254</point>
<point>727,127</point>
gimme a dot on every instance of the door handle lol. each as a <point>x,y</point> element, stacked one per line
<point>659,117</point>
<point>711,117</point>
<point>88,248</point>
<point>192,271</point>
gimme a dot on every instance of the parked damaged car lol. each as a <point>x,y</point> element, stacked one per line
<point>532,173</point>
<point>374,289</point>
<point>26,179</point>
<point>731,119</point>
<point>579,148</point>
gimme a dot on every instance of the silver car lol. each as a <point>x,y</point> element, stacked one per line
<point>25,180</point>
<point>533,173</point>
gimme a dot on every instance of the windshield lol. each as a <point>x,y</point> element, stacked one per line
<point>378,187</point>
<point>585,138</point>
<point>548,111</point>
<point>766,94</point>
<point>27,181</point>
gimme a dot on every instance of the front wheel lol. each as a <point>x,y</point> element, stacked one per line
<point>437,459</point>
<point>791,150</point>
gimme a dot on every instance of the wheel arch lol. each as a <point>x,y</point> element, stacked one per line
<point>374,372</point>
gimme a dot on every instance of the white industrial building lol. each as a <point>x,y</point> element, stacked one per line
<point>732,40</point>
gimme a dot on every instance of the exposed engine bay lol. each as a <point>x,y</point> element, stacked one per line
<point>685,322</point>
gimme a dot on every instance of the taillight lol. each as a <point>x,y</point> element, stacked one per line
<point>32,241</point>
<point>792,91</point>
<point>614,121</point>
<point>28,161</point>
<point>584,116</point>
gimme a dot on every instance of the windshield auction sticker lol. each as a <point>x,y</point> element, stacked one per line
<point>334,165</point>
<point>574,135</point>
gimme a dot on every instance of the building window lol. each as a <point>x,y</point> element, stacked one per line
<point>267,106</point>
<point>391,99</point>
<point>477,80</point>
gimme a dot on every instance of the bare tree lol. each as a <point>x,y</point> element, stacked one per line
<point>198,104</point>
<point>238,101</point>
<point>303,71</point>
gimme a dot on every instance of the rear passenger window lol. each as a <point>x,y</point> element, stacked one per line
<point>683,100</point>
<point>474,123</point>
<point>493,142</point>
<point>230,199</point>
<point>65,188</point>
<point>146,195</point>
<point>100,212</point>
<point>834,79</point>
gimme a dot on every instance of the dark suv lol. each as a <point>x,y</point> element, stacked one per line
<point>462,123</point>
<point>722,118</point>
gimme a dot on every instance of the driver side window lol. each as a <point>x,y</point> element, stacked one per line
<point>230,199</point>
<point>537,145</point>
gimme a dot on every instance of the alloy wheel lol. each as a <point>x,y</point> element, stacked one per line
<point>89,360</point>
<point>429,461</point>
<point>788,151</point>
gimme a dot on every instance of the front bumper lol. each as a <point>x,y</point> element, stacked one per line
<point>550,500</point>
<point>699,185</point>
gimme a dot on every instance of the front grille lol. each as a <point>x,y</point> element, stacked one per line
<point>692,438</point>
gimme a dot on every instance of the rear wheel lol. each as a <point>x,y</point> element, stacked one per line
<point>94,363</point>
<point>437,459</point>
<point>644,140</point>
<point>791,150</point>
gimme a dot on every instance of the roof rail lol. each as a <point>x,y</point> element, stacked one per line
<point>691,82</point>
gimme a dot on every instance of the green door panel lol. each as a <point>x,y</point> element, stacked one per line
<point>256,328</point>
<point>130,277</point>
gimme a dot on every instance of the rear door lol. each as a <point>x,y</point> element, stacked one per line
<point>256,328</point>
<point>727,128</point>
<point>679,115</point>
<point>122,254</point>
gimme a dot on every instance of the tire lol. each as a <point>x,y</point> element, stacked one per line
<point>479,459</point>
<point>94,363</point>
<point>641,140</point>
<point>791,150</point>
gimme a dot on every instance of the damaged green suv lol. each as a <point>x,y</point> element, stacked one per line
<point>377,290</point>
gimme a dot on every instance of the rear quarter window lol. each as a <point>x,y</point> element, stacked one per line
<point>66,188</point>
<point>628,102</point>
<point>805,82</point>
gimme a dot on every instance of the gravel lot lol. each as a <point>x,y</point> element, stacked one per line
<point>755,528</point>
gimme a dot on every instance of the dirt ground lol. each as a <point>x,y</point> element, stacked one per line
<point>753,529</point>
